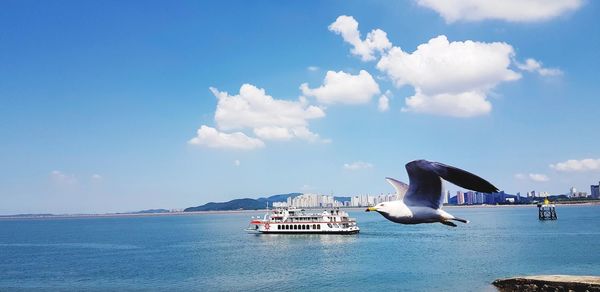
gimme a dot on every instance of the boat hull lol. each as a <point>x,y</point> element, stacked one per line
<point>311,232</point>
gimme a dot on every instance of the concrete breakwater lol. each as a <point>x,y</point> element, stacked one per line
<point>549,283</point>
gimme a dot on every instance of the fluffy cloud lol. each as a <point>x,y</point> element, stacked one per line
<point>253,108</point>
<point>312,68</point>
<point>211,137</point>
<point>376,40</point>
<point>532,65</point>
<point>237,162</point>
<point>450,78</point>
<point>342,87</point>
<point>357,165</point>
<point>268,118</point>
<point>588,164</point>
<point>508,10</point>
<point>460,105</point>
<point>537,177</point>
<point>383,104</point>
<point>440,66</point>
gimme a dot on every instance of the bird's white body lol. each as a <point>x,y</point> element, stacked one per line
<point>399,212</point>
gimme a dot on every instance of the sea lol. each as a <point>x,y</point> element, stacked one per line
<point>212,252</point>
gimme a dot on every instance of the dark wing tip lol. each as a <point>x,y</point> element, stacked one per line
<point>463,178</point>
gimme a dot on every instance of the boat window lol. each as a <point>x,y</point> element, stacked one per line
<point>314,226</point>
<point>308,226</point>
<point>318,226</point>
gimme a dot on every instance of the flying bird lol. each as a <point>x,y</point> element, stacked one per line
<point>421,201</point>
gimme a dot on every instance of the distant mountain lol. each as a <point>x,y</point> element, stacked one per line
<point>243,204</point>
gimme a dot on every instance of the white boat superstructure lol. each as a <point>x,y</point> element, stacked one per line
<point>293,221</point>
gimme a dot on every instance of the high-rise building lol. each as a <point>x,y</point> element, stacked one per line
<point>479,198</point>
<point>470,198</point>
<point>572,192</point>
<point>460,198</point>
<point>595,191</point>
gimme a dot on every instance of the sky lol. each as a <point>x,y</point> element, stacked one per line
<point>113,106</point>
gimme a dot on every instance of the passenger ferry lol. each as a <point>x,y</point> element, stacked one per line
<point>293,221</point>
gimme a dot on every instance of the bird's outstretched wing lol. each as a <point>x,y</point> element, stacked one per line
<point>463,178</point>
<point>425,187</point>
<point>400,187</point>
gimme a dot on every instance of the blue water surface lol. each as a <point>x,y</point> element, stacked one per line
<point>211,252</point>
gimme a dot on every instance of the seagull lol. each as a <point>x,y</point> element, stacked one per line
<point>421,201</point>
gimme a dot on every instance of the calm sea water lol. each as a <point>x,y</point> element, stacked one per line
<point>212,252</point>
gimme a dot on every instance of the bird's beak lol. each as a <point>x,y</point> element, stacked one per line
<point>371,209</point>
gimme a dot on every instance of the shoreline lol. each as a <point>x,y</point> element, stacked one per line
<point>116,215</point>
<point>549,283</point>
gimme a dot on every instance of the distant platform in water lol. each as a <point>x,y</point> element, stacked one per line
<point>549,283</point>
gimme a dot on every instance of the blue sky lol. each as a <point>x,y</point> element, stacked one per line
<point>100,102</point>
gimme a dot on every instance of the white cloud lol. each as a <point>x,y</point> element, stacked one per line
<point>273,133</point>
<point>211,137</point>
<point>253,108</point>
<point>508,10</point>
<point>376,40</point>
<point>440,66</point>
<point>96,177</point>
<point>312,68</point>
<point>582,165</point>
<point>269,118</point>
<point>342,87</point>
<point>532,65</point>
<point>237,162</point>
<point>60,177</point>
<point>450,78</point>
<point>461,105</point>
<point>357,165</point>
<point>383,104</point>
<point>537,177</point>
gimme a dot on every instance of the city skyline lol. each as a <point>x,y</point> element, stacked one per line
<point>107,109</point>
<point>461,197</point>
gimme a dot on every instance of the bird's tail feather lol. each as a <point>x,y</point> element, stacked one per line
<point>449,223</point>
<point>460,220</point>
